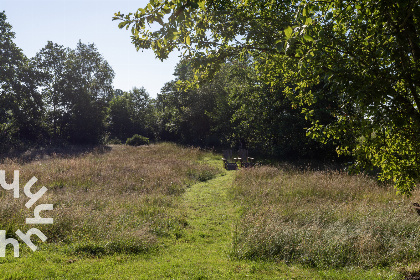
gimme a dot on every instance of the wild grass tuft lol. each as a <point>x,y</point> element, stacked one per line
<point>119,201</point>
<point>323,219</point>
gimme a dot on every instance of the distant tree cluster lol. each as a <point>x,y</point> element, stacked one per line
<point>235,109</point>
<point>76,88</point>
<point>65,96</point>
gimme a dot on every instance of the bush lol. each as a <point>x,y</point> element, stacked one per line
<point>137,140</point>
<point>113,141</point>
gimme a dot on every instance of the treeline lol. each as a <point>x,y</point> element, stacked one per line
<point>234,108</point>
<point>65,96</point>
<point>61,95</point>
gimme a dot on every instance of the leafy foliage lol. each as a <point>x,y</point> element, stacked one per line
<point>20,101</point>
<point>231,109</point>
<point>199,116</point>
<point>131,113</point>
<point>137,140</point>
<point>87,89</point>
<point>266,120</point>
<point>363,56</point>
<point>59,95</point>
<point>51,62</point>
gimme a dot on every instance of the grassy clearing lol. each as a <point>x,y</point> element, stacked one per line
<point>105,203</point>
<point>158,212</point>
<point>324,220</point>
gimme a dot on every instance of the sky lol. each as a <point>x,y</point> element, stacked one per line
<point>65,22</point>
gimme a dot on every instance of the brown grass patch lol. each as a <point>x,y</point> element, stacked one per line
<point>323,219</point>
<point>107,202</point>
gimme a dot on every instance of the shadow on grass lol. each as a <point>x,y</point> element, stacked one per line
<point>412,276</point>
<point>111,248</point>
<point>33,154</point>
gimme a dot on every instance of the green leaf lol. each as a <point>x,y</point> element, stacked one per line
<point>159,19</point>
<point>122,24</point>
<point>308,38</point>
<point>288,32</point>
<point>329,16</point>
<point>280,46</point>
<point>188,40</point>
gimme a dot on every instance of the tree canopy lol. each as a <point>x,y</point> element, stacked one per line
<point>76,87</point>
<point>60,95</point>
<point>131,113</point>
<point>359,58</point>
<point>20,102</point>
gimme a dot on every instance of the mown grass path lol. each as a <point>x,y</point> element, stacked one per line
<point>202,252</point>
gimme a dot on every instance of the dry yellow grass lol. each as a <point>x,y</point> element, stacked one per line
<point>117,201</point>
<point>324,219</point>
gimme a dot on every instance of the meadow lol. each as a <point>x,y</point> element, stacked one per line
<point>120,201</point>
<point>324,219</point>
<point>163,211</point>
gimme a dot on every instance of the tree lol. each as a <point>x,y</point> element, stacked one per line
<point>87,90</point>
<point>76,88</point>
<point>120,118</point>
<point>266,120</point>
<point>51,62</point>
<point>21,105</point>
<point>144,113</point>
<point>198,116</point>
<point>363,56</point>
<point>131,113</point>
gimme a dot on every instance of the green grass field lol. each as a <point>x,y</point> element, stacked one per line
<point>167,212</point>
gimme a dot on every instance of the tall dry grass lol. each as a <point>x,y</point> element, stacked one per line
<point>323,219</point>
<point>119,201</point>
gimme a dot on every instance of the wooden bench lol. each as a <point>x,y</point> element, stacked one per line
<point>228,162</point>
<point>244,160</point>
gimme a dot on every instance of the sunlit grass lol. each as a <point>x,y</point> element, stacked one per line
<point>323,219</point>
<point>167,212</point>
<point>118,201</point>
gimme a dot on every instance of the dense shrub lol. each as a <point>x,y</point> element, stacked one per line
<point>137,140</point>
